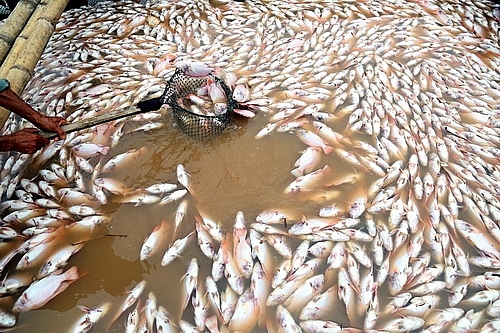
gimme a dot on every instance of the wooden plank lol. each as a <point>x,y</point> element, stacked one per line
<point>87,123</point>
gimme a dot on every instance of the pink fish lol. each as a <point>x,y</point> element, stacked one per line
<point>313,140</point>
<point>306,162</point>
<point>154,240</point>
<point>195,69</point>
<point>244,113</point>
<point>88,150</point>
<point>241,93</point>
<point>102,134</point>
<point>310,181</point>
<point>114,186</point>
<point>42,291</point>
<point>242,251</point>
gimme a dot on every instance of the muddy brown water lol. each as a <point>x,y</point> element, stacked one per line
<point>231,172</point>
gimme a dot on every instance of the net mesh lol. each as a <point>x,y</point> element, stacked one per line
<point>200,126</point>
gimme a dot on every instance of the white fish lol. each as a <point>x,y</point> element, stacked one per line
<point>246,313</point>
<point>260,285</point>
<point>195,69</point>
<point>82,210</point>
<point>280,244</point>
<point>132,297</point>
<point>180,212</point>
<point>164,321</point>
<point>123,159</point>
<point>183,177</point>
<point>272,216</point>
<point>405,324</point>
<point>310,181</point>
<point>321,305</point>
<point>242,252</point>
<point>478,239</point>
<point>201,309</point>
<point>307,162</point>
<point>228,303</point>
<point>286,321</point>
<point>88,150</point>
<point>176,195</point>
<point>189,283</point>
<point>205,241</point>
<point>234,277</point>
<point>58,259</point>
<point>281,273</point>
<point>132,322</point>
<point>150,310</point>
<point>161,188</point>
<point>42,291</point>
<point>154,240</point>
<point>139,198</point>
<point>338,256</point>
<point>303,294</point>
<point>419,306</point>
<point>114,186</point>
<point>176,249</point>
<point>300,255</point>
<point>213,295</point>
<point>321,326</point>
<point>211,226</point>
<point>91,316</point>
<point>313,140</point>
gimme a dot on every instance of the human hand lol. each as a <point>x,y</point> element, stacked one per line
<point>52,124</point>
<point>26,141</point>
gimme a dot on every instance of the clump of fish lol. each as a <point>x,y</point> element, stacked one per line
<point>402,94</point>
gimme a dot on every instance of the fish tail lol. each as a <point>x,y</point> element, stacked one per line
<point>72,273</point>
<point>105,150</point>
<point>327,149</point>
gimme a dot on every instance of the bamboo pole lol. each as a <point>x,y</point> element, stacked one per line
<point>20,63</point>
<point>20,42</point>
<point>14,24</point>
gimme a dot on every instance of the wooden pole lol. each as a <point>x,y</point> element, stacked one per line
<point>14,24</point>
<point>20,63</point>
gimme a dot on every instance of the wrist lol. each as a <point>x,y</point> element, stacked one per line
<point>6,142</point>
<point>36,118</point>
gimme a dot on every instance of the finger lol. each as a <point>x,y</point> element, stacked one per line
<point>61,133</point>
<point>60,121</point>
<point>63,121</point>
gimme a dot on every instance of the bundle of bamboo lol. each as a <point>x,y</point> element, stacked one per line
<point>23,38</point>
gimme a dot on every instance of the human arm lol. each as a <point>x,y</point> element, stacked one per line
<point>24,141</point>
<point>10,100</point>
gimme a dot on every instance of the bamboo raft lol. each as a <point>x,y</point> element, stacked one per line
<point>23,38</point>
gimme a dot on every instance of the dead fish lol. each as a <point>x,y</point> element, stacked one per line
<point>194,69</point>
<point>154,240</point>
<point>42,291</point>
<point>176,249</point>
<point>91,316</point>
<point>89,150</point>
<point>132,297</point>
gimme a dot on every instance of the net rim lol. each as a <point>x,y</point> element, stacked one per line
<point>230,105</point>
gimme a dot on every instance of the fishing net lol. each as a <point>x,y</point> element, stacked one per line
<point>204,118</point>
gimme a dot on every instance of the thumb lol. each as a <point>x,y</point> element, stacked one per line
<point>31,130</point>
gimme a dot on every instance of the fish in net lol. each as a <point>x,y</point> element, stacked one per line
<point>202,105</point>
